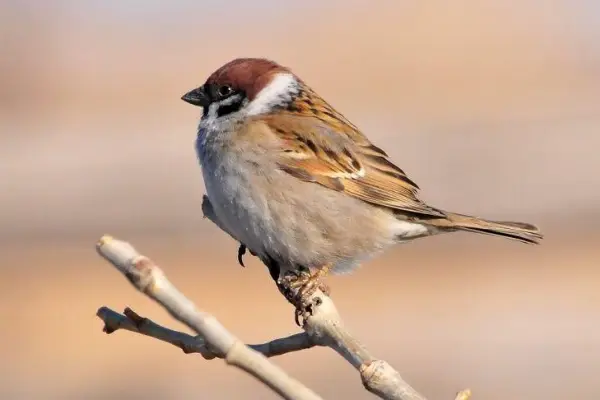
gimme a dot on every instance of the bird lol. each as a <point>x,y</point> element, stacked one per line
<point>300,186</point>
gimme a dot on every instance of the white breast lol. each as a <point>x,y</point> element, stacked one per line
<point>229,186</point>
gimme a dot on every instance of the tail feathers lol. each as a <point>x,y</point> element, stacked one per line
<point>520,231</point>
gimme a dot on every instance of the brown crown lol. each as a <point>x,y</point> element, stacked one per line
<point>246,74</point>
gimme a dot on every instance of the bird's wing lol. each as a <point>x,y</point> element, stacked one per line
<point>336,155</point>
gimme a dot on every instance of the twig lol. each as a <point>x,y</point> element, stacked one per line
<point>149,279</point>
<point>322,322</point>
<point>133,322</point>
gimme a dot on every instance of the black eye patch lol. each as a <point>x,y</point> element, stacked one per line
<point>234,106</point>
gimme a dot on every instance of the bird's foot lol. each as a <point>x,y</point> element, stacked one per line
<point>307,284</point>
<point>299,286</point>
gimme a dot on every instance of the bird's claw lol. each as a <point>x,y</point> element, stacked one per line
<point>298,287</point>
<point>241,252</point>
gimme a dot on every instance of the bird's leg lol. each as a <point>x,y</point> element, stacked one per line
<point>299,285</point>
<point>274,270</point>
<point>306,284</point>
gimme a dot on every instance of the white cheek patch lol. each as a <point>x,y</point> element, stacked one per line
<point>212,114</point>
<point>278,91</point>
<point>232,99</point>
<point>212,111</point>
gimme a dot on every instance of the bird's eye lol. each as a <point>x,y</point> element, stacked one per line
<point>224,90</point>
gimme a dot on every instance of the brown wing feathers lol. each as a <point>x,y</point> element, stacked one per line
<point>342,159</point>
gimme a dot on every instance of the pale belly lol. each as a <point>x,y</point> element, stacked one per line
<point>244,203</point>
<point>236,211</point>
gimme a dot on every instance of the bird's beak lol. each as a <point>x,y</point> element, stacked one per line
<point>197,97</point>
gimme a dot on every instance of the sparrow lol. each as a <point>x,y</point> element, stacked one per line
<point>299,185</point>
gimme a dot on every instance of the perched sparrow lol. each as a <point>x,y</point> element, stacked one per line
<point>293,180</point>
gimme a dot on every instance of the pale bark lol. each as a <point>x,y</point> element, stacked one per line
<point>322,326</point>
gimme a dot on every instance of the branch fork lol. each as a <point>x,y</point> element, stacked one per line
<point>321,323</point>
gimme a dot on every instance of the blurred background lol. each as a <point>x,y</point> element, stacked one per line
<point>493,107</point>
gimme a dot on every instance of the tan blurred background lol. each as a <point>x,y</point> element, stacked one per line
<point>493,107</point>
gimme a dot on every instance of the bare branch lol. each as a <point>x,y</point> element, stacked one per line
<point>322,326</point>
<point>322,322</point>
<point>149,279</point>
<point>131,321</point>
